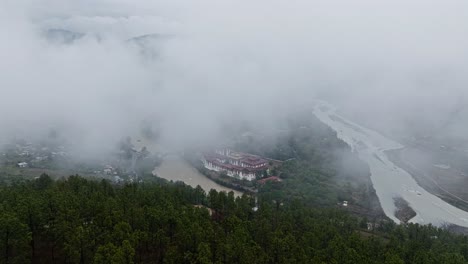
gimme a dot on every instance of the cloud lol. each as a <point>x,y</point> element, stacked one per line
<point>226,60</point>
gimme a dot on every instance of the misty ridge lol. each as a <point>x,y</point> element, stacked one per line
<point>98,71</point>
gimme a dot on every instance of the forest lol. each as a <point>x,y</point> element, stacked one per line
<point>78,220</point>
<point>319,168</point>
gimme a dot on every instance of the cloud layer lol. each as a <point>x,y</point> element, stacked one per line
<point>387,62</point>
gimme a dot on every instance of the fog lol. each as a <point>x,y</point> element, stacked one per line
<point>79,67</point>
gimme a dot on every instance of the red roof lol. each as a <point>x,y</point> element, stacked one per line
<point>250,160</point>
<point>271,178</point>
<point>253,161</point>
<point>228,166</point>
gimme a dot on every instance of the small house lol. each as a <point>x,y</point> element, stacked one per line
<point>23,165</point>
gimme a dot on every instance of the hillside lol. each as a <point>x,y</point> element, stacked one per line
<point>76,220</point>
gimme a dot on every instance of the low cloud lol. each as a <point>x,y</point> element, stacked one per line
<point>200,65</point>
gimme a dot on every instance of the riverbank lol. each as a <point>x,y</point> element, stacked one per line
<point>227,181</point>
<point>403,212</point>
<point>390,180</point>
<point>175,168</point>
<point>450,194</point>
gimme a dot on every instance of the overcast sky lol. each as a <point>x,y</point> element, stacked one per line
<point>388,63</point>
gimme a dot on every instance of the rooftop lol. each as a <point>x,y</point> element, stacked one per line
<point>271,178</point>
<point>228,166</point>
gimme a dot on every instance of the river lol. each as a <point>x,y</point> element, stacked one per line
<point>388,179</point>
<point>175,168</point>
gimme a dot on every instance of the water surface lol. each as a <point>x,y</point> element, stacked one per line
<point>176,169</point>
<point>388,179</point>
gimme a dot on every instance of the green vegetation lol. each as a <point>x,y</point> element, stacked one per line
<point>321,170</point>
<point>79,220</point>
<point>76,220</point>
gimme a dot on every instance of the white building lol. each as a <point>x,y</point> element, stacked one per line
<point>241,173</point>
<point>235,164</point>
<point>23,165</point>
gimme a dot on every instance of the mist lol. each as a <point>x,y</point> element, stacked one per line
<point>95,70</point>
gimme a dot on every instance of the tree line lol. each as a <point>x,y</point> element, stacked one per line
<point>77,220</point>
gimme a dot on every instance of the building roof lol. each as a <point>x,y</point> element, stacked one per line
<point>232,167</point>
<point>236,155</point>
<point>253,161</point>
<point>271,178</point>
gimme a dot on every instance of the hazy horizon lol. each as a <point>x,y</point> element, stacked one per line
<point>81,68</point>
